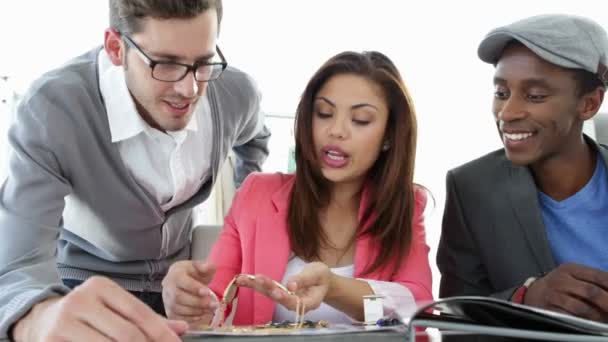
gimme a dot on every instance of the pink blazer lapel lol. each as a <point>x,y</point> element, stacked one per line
<point>272,250</point>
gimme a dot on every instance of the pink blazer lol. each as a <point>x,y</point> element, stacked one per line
<point>255,240</point>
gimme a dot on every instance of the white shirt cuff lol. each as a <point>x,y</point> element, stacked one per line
<point>398,299</point>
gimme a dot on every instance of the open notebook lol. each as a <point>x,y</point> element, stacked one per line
<point>490,316</point>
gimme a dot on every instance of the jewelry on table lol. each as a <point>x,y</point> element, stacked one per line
<point>231,294</point>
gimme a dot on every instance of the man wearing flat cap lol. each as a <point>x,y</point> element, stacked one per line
<point>529,222</point>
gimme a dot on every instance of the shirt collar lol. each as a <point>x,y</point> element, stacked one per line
<point>125,122</point>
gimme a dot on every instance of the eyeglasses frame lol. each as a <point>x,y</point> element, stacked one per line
<point>152,63</point>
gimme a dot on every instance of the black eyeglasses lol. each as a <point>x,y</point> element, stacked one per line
<point>174,71</point>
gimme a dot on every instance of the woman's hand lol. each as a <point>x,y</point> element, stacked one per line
<point>186,295</point>
<point>311,285</point>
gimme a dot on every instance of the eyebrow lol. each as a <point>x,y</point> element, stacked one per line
<point>531,82</point>
<point>498,80</point>
<point>355,106</point>
<point>175,58</point>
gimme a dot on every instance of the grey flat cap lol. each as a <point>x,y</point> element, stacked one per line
<point>566,40</point>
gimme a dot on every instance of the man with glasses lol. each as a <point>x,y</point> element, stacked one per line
<point>168,71</point>
<point>111,153</point>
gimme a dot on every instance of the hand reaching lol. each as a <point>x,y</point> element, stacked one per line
<point>97,310</point>
<point>311,285</point>
<point>185,292</point>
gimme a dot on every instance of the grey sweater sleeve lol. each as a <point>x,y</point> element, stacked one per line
<point>251,146</point>
<point>31,203</point>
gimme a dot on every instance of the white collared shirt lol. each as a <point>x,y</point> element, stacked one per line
<point>170,166</point>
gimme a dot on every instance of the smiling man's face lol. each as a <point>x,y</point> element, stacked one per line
<point>168,106</point>
<point>535,106</point>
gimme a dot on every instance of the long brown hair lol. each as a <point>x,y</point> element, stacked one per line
<point>392,197</point>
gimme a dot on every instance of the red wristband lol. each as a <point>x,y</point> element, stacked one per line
<point>520,293</point>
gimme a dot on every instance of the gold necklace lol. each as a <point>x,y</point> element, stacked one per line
<point>231,294</point>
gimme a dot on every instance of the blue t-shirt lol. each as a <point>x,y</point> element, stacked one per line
<point>577,227</point>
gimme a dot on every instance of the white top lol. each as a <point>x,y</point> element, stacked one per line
<point>170,166</point>
<point>397,299</point>
<point>326,312</point>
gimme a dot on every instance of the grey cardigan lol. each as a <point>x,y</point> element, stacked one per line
<point>71,209</point>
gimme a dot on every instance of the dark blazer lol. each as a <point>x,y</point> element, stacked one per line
<point>493,237</point>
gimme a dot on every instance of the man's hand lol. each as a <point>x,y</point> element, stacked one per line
<point>185,292</point>
<point>573,289</point>
<point>97,310</point>
<point>311,285</point>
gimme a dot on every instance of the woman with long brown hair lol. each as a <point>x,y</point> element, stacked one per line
<point>348,223</point>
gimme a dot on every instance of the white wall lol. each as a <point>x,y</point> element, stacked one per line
<point>282,42</point>
<point>434,43</point>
